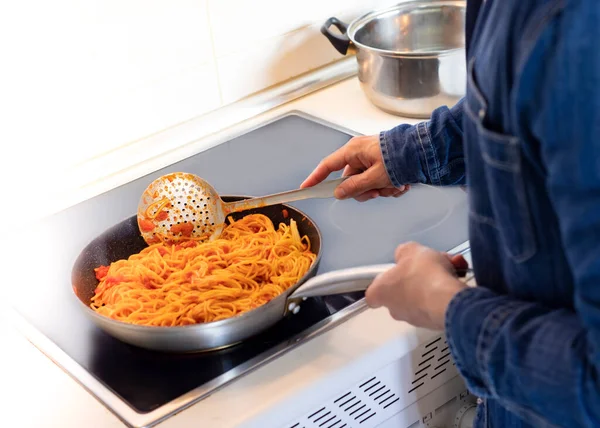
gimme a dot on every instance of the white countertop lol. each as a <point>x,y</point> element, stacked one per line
<point>35,392</point>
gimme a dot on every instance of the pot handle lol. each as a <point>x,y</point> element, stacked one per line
<point>340,281</point>
<point>340,42</point>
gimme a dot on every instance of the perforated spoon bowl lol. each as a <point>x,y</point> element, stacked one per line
<point>181,206</point>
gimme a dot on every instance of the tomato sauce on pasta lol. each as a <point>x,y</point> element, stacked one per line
<point>197,282</point>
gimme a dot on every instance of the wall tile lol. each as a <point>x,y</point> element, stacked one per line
<point>142,111</point>
<point>263,46</point>
<point>95,75</point>
<point>238,24</point>
<point>272,61</point>
<point>131,43</point>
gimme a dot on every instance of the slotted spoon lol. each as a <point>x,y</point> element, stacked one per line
<point>181,206</point>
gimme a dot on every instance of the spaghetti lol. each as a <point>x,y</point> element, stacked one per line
<point>191,282</point>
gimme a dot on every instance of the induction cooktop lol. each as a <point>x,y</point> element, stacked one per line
<point>144,387</point>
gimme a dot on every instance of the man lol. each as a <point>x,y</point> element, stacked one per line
<point>526,141</point>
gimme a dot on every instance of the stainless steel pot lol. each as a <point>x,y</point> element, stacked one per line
<point>411,57</point>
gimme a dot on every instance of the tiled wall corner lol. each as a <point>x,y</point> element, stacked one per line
<point>273,60</point>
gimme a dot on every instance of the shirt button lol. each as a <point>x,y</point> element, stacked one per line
<point>481,113</point>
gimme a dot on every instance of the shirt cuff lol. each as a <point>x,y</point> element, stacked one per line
<point>401,153</point>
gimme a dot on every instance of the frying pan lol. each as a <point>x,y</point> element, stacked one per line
<point>124,239</point>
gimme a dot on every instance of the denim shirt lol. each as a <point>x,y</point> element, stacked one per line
<point>525,141</point>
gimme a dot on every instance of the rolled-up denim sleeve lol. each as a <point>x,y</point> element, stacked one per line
<point>539,362</point>
<point>430,152</point>
<point>535,361</point>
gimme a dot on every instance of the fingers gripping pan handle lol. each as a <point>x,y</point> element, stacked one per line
<point>340,281</point>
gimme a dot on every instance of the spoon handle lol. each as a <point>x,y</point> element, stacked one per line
<point>318,191</point>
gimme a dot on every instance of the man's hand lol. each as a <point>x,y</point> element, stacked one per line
<point>419,288</point>
<point>362,161</point>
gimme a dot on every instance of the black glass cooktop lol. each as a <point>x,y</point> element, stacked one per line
<point>272,158</point>
<point>147,379</point>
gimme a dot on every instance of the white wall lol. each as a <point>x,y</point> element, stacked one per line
<point>86,77</point>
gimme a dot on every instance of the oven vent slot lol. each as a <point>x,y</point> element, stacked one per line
<point>433,360</point>
<point>324,418</point>
<point>356,407</point>
<point>386,392</point>
<point>321,418</point>
<point>379,392</point>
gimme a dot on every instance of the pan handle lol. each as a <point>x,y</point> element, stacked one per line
<point>340,281</point>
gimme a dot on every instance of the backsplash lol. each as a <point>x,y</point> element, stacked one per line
<point>100,74</point>
<point>261,43</point>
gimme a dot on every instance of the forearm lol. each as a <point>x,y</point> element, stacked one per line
<point>519,352</point>
<point>430,152</point>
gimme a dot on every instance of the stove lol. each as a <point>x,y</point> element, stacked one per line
<point>144,387</point>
